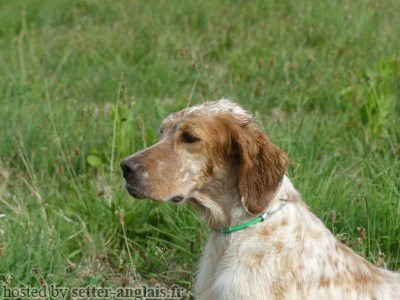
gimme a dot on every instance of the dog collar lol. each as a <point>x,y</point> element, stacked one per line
<point>256,220</point>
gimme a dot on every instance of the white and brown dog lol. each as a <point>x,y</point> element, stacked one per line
<point>264,243</point>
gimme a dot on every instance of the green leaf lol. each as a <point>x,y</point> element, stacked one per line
<point>94,161</point>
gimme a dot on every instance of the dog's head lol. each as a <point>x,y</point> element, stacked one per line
<point>203,150</point>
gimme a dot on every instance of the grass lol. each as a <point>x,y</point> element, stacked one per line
<point>85,83</point>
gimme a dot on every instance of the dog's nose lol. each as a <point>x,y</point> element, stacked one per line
<point>129,168</point>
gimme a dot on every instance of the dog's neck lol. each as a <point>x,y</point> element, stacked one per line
<point>238,214</point>
<point>224,208</point>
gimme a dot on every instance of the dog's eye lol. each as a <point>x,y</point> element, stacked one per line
<point>161,131</point>
<point>189,138</point>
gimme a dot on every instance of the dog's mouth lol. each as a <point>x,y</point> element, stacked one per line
<point>134,192</point>
<point>177,199</point>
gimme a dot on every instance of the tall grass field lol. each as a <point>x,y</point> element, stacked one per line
<point>84,84</point>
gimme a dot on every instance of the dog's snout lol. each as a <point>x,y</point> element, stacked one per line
<point>133,173</point>
<point>129,167</point>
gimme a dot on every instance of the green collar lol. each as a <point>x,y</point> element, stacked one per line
<point>254,221</point>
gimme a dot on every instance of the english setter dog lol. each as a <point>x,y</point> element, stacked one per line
<point>264,243</point>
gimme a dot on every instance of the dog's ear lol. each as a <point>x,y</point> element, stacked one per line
<point>261,167</point>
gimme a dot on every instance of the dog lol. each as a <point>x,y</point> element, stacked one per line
<point>264,242</point>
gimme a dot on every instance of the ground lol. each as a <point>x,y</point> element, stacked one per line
<point>85,83</point>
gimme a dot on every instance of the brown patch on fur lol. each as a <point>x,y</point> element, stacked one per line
<point>363,277</point>
<point>344,249</point>
<point>279,289</point>
<point>267,230</point>
<point>300,268</point>
<point>284,222</point>
<point>258,257</point>
<point>324,282</point>
<point>278,246</point>
<point>252,259</point>
<point>298,234</point>
<point>209,172</point>
<point>333,262</point>
<point>340,281</point>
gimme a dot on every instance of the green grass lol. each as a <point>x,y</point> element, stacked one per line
<point>85,83</point>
